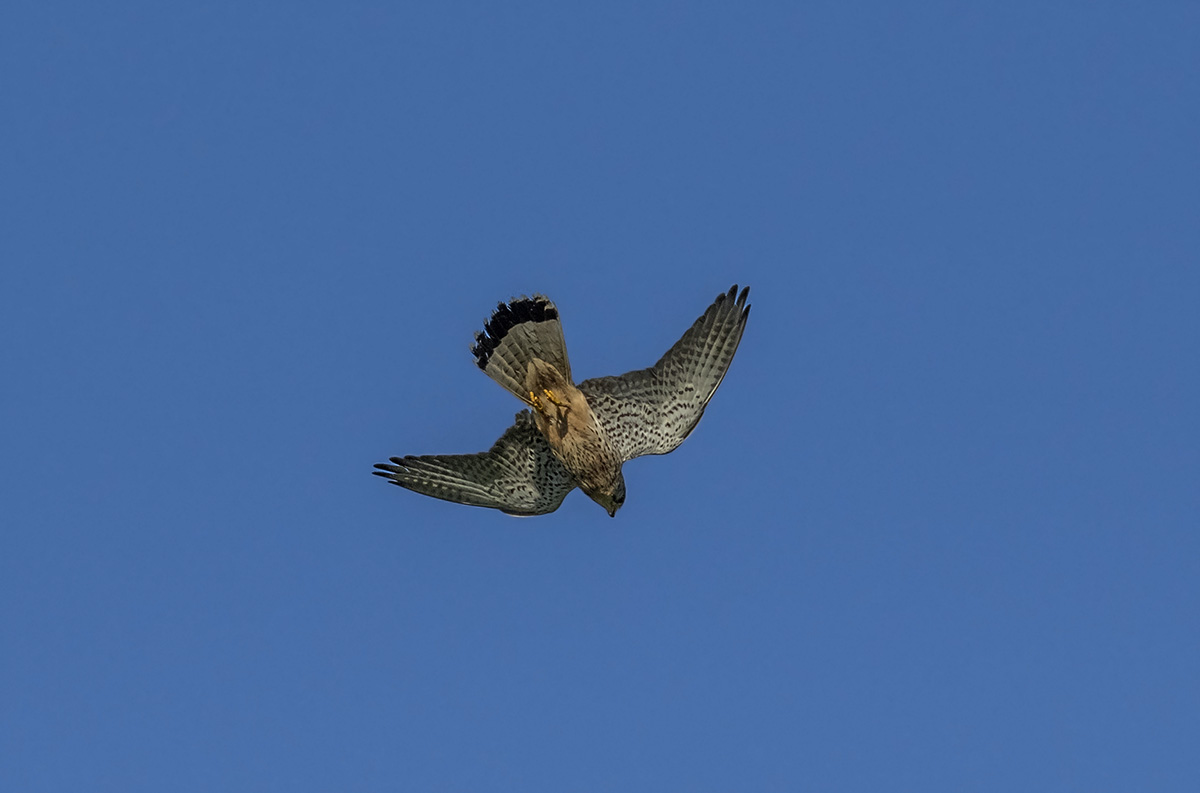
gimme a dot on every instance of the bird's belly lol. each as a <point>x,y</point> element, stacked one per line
<point>583,452</point>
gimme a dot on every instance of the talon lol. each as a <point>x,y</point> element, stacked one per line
<point>537,403</point>
<point>550,395</point>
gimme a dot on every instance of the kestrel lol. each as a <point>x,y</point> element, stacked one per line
<point>576,435</point>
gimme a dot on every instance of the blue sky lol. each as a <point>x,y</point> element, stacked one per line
<point>937,531</point>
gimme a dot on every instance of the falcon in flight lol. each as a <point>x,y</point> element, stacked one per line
<point>578,435</point>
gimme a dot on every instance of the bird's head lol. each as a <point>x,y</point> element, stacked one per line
<point>610,496</point>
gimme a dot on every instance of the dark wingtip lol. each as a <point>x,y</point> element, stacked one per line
<point>741,301</point>
<point>396,466</point>
<point>507,316</point>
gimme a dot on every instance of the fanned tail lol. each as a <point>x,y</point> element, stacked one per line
<point>518,333</point>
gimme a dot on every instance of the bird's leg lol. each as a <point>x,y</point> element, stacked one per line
<point>537,403</point>
<point>550,395</point>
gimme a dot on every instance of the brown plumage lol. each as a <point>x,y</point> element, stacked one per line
<point>577,435</point>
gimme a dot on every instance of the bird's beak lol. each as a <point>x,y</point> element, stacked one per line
<point>612,512</point>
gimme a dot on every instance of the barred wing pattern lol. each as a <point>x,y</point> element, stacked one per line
<point>652,411</point>
<point>519,475</point>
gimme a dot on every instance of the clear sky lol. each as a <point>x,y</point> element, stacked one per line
<point>938,530</point>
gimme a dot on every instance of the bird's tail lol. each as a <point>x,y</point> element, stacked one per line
<point>518,334</point>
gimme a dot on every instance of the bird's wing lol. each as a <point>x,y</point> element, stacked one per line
<point>518,475</point>
<point>651,411</point>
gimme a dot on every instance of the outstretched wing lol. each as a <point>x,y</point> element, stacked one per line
<point>518,475</point>
<point>651,411</point>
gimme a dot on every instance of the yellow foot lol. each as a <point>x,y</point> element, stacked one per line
<point>550,395</point>
<point>537,403</point>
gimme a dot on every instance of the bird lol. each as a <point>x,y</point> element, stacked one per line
<point>575,435</point>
